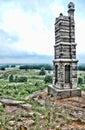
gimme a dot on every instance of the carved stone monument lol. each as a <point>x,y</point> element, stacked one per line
<point>65,62</point>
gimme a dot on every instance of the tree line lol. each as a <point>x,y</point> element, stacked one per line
<point>81,67</point>
<point>37,66</point>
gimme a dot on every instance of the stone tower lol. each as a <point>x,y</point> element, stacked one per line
<point>65,62</point>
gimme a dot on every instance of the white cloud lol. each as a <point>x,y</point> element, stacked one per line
<point>35,28</point>
<point>57,9</point>
<point>34,35</point>
<point>80,35</point>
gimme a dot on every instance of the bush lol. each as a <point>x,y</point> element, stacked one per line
<point>12,66</point>
<point>2,68</point>
<point>16,79</point>
<point>37,84</point>
<point>21,79</point>
<point>48,79</point>
<point>42,71</point>
<point>1,110</point>
<point>80,80</point>
<point>11,78</point>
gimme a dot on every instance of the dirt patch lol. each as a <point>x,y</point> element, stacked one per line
<point>52,114</point>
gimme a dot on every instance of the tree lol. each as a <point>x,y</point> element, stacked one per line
<point>84,79</point>
<point>42,71</point>
<point>80,80</point>
<point>16,79</point>
<point>12,66</point>
<point>48,79</point>
<point>11,78</point>
<point>2,68</point>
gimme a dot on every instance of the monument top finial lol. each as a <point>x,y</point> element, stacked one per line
<point>71,5</point>
<point>71,9</point>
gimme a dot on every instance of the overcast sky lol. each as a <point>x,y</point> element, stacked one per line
<point>27,27</point>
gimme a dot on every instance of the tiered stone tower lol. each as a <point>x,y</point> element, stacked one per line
<point>65,62</point>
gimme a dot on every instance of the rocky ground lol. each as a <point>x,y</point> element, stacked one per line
<point>40,111</point>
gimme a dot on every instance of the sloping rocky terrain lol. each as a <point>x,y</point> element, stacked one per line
<point>40,111</point>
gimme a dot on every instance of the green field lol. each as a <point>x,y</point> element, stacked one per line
<point>19,90</point>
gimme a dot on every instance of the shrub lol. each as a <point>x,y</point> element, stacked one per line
<point>37,84</point>
<point>1,110</point>
<point>84,79</point>
<point>21,79</point>
<point>48,79</point>
<point>42,71</point>
<point>12,66</point>
<point>16,79</point>
<point>11,78</point>
<point>80,80</point>
<point>2,68</point>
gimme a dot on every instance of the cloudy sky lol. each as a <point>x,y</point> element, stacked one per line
<point>27,28</point>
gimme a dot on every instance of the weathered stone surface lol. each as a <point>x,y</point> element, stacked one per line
<point>11,123</point>
<point>26,106</point>
<point>25,125</point>
<point>64,93</point>
<point>0,104</point>
<point>41,102</point>
<point>33,95</point>
<point>37,94</point>
<point>33,114</point>
<point>11,102</point>
<point>65,62</point>
<point>75,92</point>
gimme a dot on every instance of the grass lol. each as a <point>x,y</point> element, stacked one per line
<point>34,82</point>
<point>54,117</point>
<point>82,75</point>
<point>20,90</point>
<point>1,110</point>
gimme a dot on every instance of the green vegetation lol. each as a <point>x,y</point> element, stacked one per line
<point>81,80</point>
<point>17,79</point>
<point>42,71</point>
<point>1,110</point>
<point>48,79</point>
<point>81,67</point>
<point>36,66</point>
<point>18,83</point>
<point>11,78</point>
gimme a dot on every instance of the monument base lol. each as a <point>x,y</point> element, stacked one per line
<point>64,93</point>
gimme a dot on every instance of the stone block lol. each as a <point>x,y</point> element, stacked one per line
<point>58,93</point>
<point>76,92</point>
<point>64,93</point>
